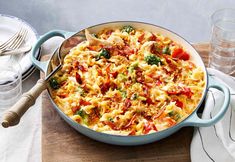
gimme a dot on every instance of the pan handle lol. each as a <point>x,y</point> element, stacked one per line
<point>43,65</point>
<point>13,115</point>
<point>194,120</point>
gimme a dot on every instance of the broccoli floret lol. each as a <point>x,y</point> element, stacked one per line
<point>54,83</point>
<point>105,53</point>
<point>152,60</point>
<point>80,113</point>
<point>127,29</point>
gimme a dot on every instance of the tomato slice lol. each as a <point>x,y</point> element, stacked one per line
<point>180,54</point>
<point>185,56</point>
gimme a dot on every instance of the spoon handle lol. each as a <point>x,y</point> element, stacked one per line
<point>12,116</point>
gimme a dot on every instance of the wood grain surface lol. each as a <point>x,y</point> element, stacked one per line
<point>61,143</point>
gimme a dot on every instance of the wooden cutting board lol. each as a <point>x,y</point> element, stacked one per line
<point>61,143</point>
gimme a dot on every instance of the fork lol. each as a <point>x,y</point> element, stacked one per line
<point>10,40</point>
<point>14,42</point>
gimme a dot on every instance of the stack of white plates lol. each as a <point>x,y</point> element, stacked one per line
<point>9,25</point>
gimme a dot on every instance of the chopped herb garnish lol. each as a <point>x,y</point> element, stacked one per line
<point>152,60</point>
<point>54,83</point>
<point>127,29</point>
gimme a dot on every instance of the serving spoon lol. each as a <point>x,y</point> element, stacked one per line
<point>13,115</point>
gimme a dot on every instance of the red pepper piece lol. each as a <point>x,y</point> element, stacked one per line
<point>78,78</point>
<point>152,37</point>
<point>178,103</point>
<point>111,125</point>
<point>82,68</point>
<point>114,74</point>
<point>74,109</point>
<point>84,103</point>
<point>141,38</point>
<point>63,95</point>
<point>149,101</point>
<point>148,127</point>
<point>105,87</point>
<point>130,122</point>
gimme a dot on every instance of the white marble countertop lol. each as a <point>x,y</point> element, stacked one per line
<point>190,19</point>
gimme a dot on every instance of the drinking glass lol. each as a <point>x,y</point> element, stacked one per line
<point>10,82</point>
<point>222,55</point>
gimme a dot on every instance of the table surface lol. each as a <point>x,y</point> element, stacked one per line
<point>72,15</point>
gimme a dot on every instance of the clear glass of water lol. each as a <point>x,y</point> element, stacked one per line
<point>10,83</point>
<point>222,55</point>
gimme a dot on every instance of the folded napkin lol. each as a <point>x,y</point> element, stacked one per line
<point>216,143</point>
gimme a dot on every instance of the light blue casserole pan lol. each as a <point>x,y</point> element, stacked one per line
<point>71,39</point>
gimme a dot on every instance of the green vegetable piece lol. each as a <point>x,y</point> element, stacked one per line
<point>122,77</point>
<point>166,50</point>
<point>152,60</point>
<point>133,67</point>
<point>134,96</point>
<point>127,29</point>
<point>177,116</point>
<point>110,119</point>
<point>54,83</point>
<point>103,53</point>
<point>81,91</point>
<point>171,113</point>
<point>80,113</point>
<point>123,94</point>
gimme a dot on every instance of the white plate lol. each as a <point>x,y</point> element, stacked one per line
<point>9,25</point>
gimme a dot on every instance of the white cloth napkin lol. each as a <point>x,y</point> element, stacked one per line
<point>216,143</point>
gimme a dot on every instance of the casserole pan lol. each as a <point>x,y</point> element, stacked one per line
<point>72,39</point>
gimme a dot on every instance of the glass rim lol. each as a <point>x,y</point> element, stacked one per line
<point>18,72</point>
<point>220,11</point>
<point>13,89</point>
<point>19,77</point>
